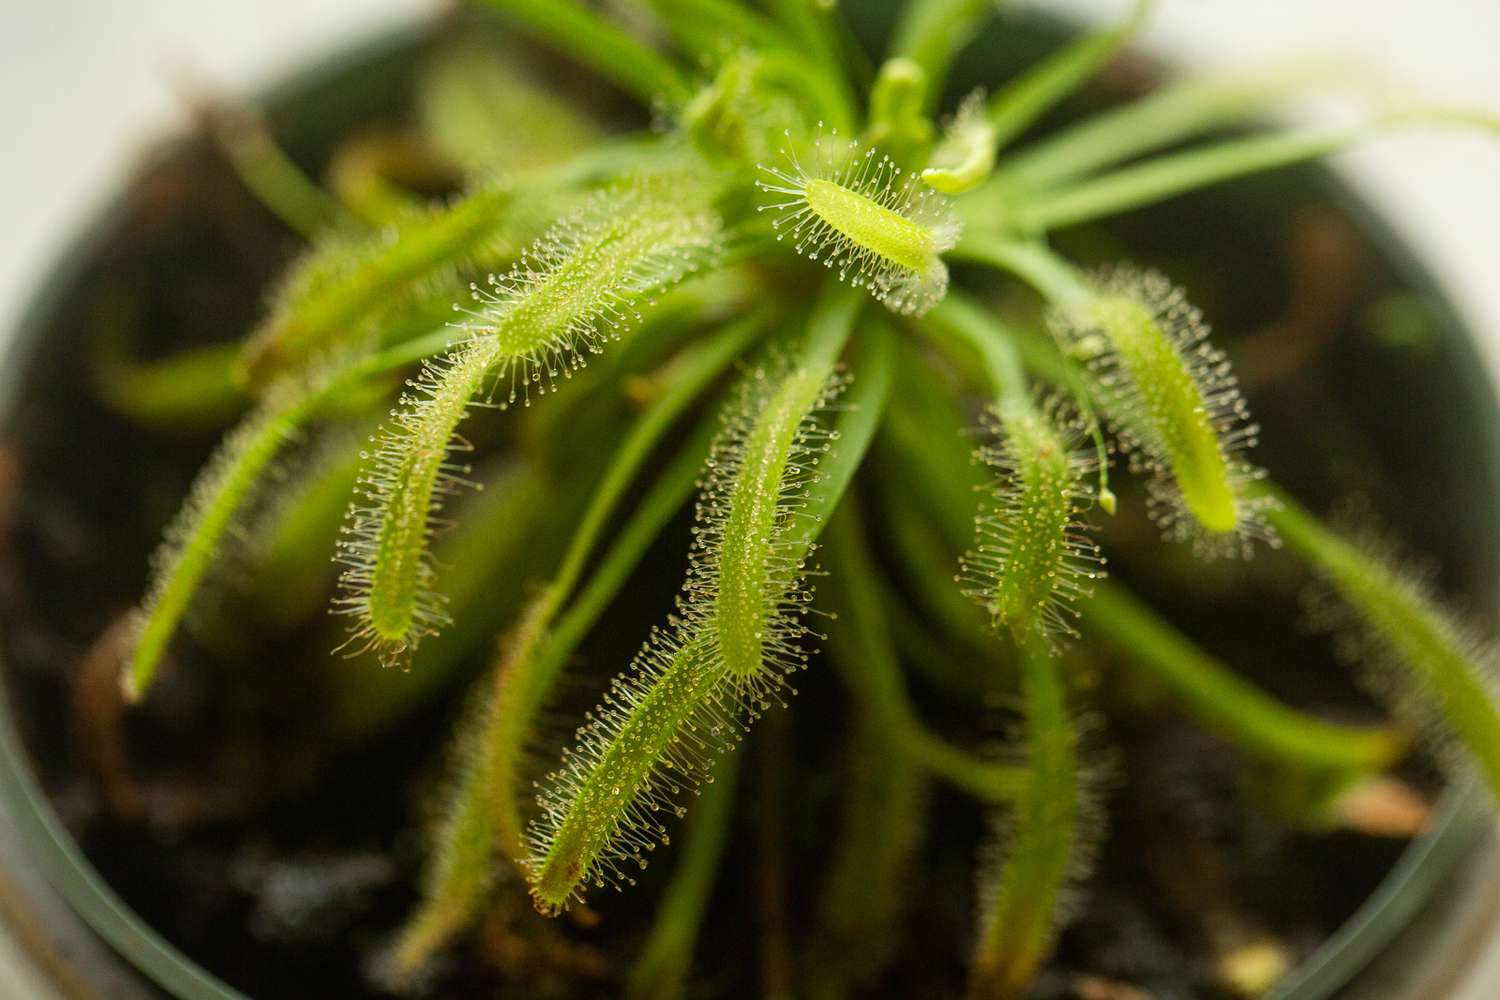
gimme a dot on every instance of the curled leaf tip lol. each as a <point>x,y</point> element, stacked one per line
<point>965,154</point>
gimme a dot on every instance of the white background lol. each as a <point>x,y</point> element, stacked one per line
<point>85,85</point>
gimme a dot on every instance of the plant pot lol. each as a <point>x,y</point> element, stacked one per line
<point>1420,934</point>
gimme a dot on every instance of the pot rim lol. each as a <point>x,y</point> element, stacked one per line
<point>1460,823</point>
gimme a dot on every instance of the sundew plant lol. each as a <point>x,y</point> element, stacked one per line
<point>817,276</point>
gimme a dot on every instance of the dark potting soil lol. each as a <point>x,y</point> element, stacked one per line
<point>283,865</point>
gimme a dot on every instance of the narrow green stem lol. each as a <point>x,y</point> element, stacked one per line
<point>1054,278</point>
<point>943,660</point>
<point>931,33</point>
<point>1225,703</point>
<point>856,61</point>
<point>1156,121</point>
<point>928,546</point>
<point>865,893</point>
<point>863,649</point>
<point>685,379</point>
<point>1178,173</point>
<point>814,32</point>
<point>666,497</point>
<point>290,569</point>
<point>828,97</point>
<point>397,356</point>
<point>703,26</point>
<point>864,407</point>
<point>929,560</point>
<point>193,389</point>
<point>662,969</point>
<point>1173,175</point>
<point>599,45</point>
<point>272,177</point>
<point>376,176</point>
<point>928,450</point>
<point>986,780</point>
<point>1020,103</point>
<point>962,318</point>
